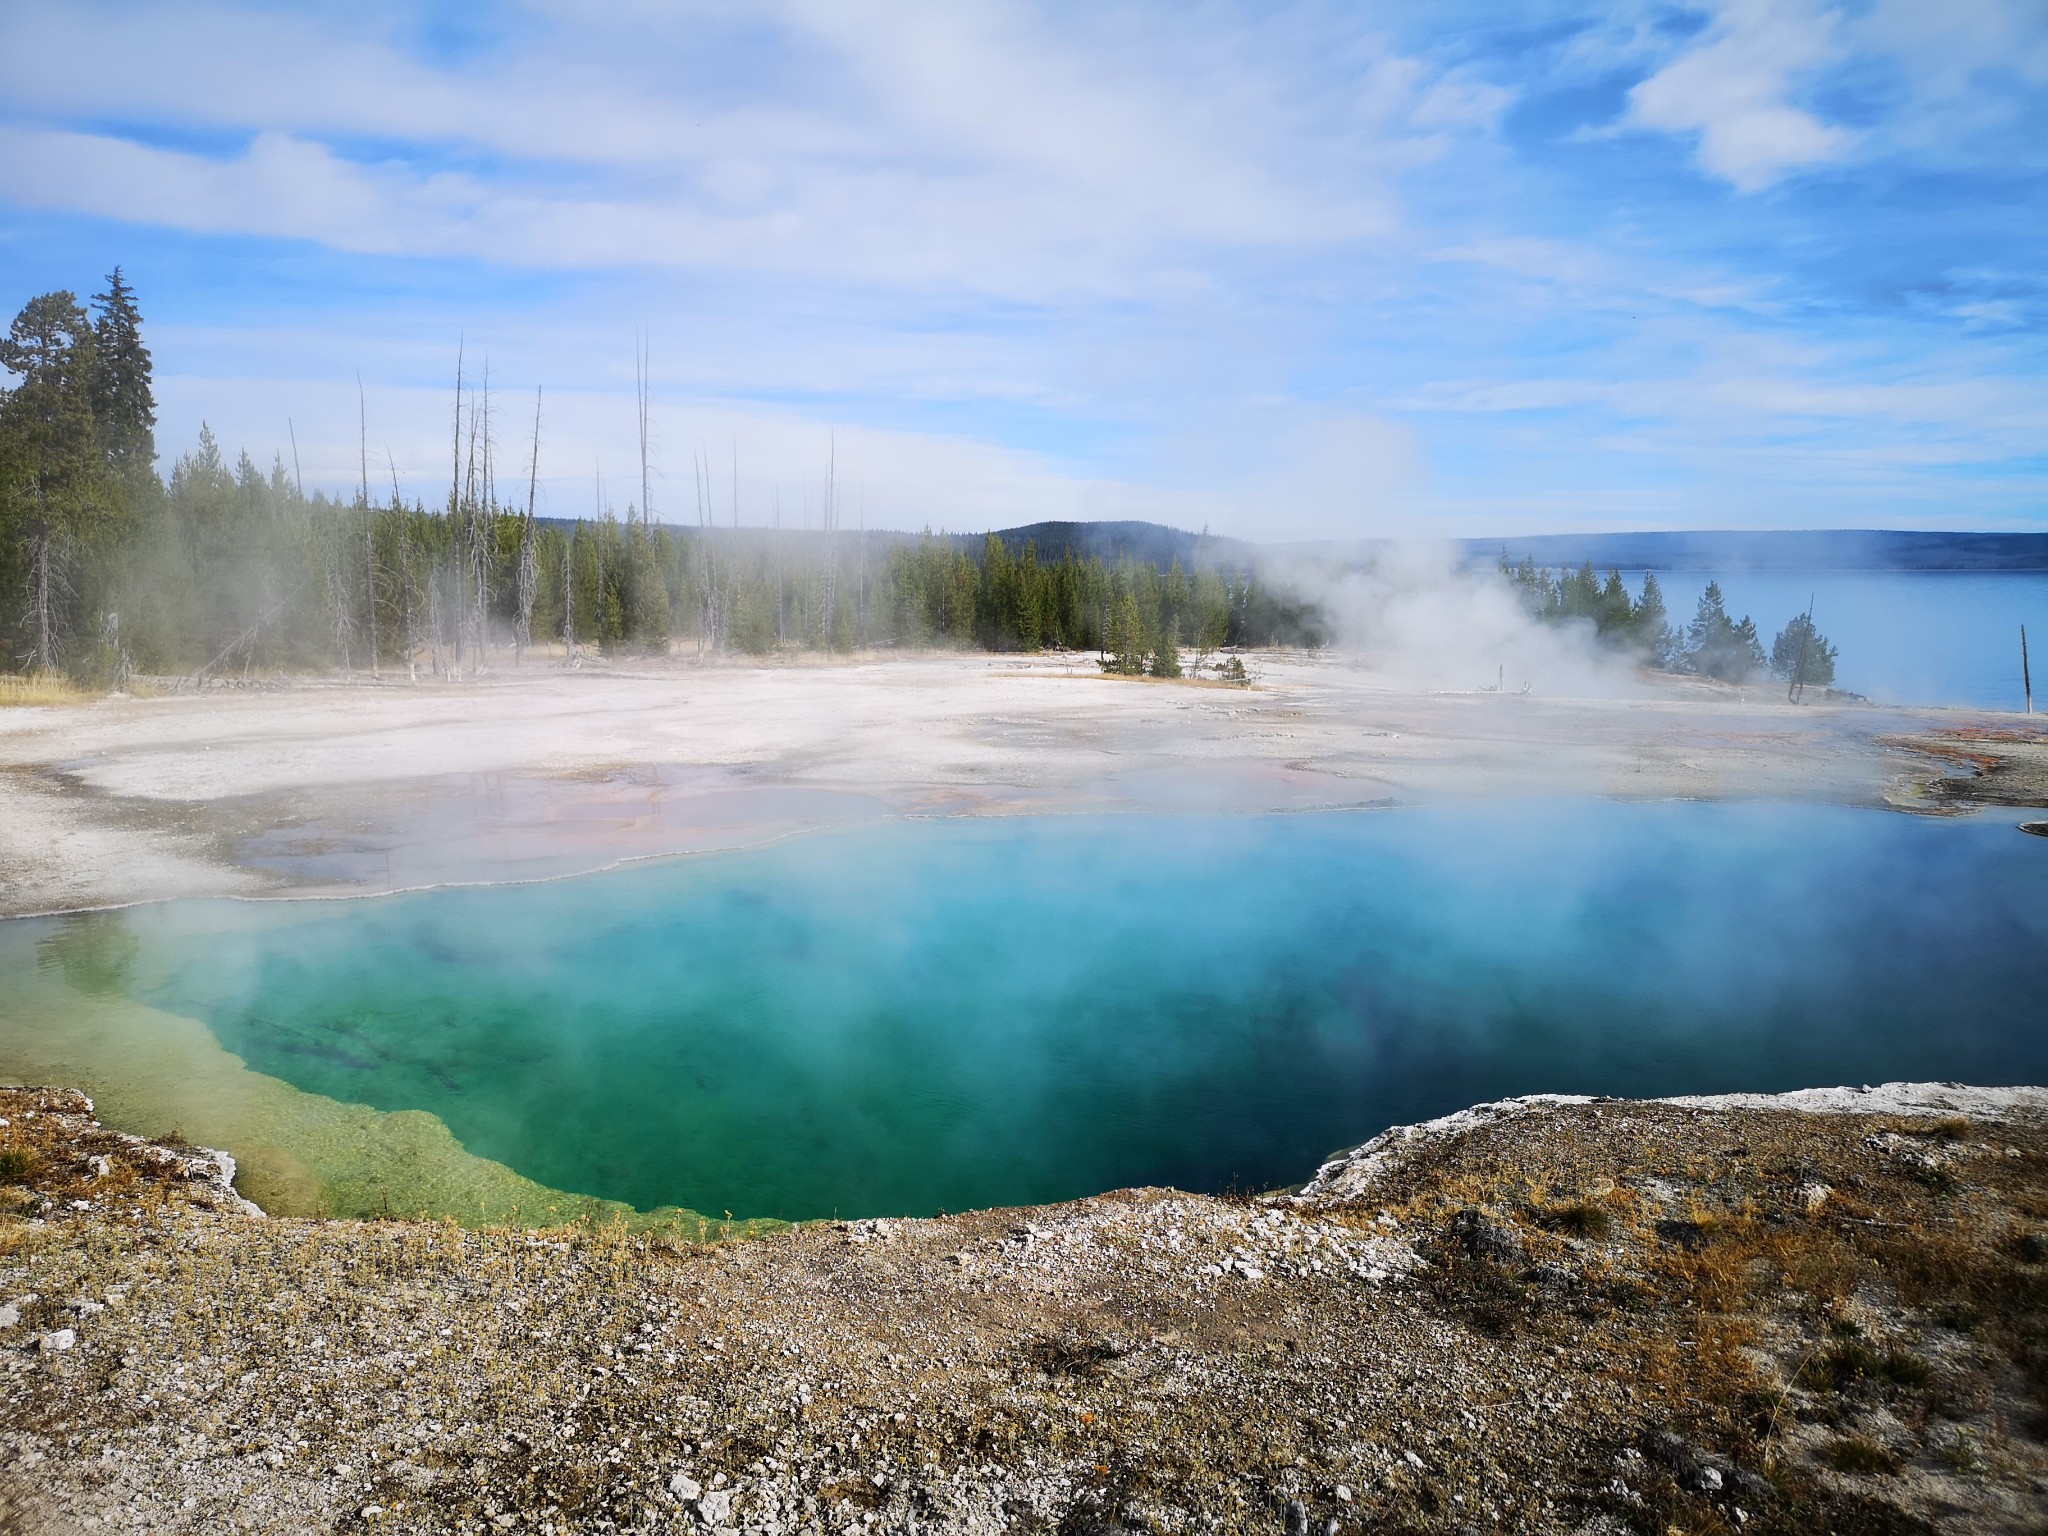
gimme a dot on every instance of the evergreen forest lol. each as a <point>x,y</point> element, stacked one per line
<point>1712,645</point>
<point>108,570</point>
<point>226,568</point>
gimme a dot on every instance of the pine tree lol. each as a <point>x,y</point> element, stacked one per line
<point>1802,655</point>
<point>1165,661</point>
<point>1650,624</point>
<point>53,487</point>
<point>1612,616</point>
<point>123,404</point>
<point>1125,640</point>
<point>1719,648</point>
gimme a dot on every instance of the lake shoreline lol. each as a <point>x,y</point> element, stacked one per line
<point>349,787</point>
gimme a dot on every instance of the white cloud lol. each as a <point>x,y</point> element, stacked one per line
<point>971,145</point>
<point>1733,91</point>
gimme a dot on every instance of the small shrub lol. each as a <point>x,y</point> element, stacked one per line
<point>1070,1357</point>
<point>1937,1180</point>
<point>1850,1360</point>
<point>1574,1218</point>
<point>17,1165</point>
<point>1953,1128</point>
<point>1853,1453</point>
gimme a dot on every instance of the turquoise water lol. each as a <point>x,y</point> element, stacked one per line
<point>934,1015</point>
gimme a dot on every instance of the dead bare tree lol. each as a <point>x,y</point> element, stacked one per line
<point>45,584</point>
<point>707,624</point>
<point>482,511</point>
<point>641,387</point>
<point>369,522</point>
<point>244,642</point>
<point>455,512</point>
<point>529,574</point>
<point>830,596</point>
<point>406,577</point>
<point>344,621</point>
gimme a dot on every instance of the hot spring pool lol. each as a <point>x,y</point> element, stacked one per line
<point>927,1015</point>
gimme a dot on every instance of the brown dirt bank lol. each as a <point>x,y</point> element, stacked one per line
<point>1796,1314</point>
<point>2003,764</point>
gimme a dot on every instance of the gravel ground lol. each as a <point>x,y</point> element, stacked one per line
<point>1589,1316</point>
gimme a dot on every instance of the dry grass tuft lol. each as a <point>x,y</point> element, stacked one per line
<point>40,688</point>
<point>1853,1453</point>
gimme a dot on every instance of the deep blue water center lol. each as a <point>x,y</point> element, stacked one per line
<point>927,1015</point>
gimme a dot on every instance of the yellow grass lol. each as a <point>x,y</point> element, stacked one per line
<point>39,688</point>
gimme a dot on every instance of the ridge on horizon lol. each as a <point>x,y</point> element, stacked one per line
<point>1785,549</point>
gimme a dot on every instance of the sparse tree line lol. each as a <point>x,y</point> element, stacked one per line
<point>1712,645</point>
<point>229,569</point>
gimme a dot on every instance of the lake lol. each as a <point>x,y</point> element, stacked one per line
<point>1905,637</point>
<point>941,1014</point>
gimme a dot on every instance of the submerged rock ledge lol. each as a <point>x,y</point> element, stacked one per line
<point>1813,1311</point>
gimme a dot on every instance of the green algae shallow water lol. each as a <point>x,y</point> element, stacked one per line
<point>933,1015</point>
<point>66,1022</point>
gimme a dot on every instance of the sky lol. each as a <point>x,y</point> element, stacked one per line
<point>1296,271</point>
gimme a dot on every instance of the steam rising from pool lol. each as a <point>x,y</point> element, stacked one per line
<point>938,1015</point>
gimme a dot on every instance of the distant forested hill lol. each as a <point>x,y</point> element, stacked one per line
<point>1849,549</point>
<point>1147,543</point>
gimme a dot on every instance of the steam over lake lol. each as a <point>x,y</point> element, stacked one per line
<point>920,1015</point>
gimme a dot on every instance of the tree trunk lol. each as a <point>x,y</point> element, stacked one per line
<point>43,596</point>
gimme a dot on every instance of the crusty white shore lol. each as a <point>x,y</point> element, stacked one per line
<point>542,770</point>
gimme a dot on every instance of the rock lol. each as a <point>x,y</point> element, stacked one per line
<point>685,1487</point>
<point>56,1343</point>
<point>10,1315</point>
<point>1554,1277</point>
<point>1343,1493</point>
<point>1752,1489</point>
<point>1692,1467</point>
<point>714,1508</point>
<point>1481,1237</point>
<point>1297,1518</point>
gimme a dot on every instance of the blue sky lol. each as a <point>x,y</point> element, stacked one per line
<point>1294,271</point>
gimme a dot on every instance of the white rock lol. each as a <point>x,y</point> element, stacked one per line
<point>684,1486</point>
<point>10,1315</point>
<point>1343,1493</point>
<point>713,1508</point>
<point>53,1343</point>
